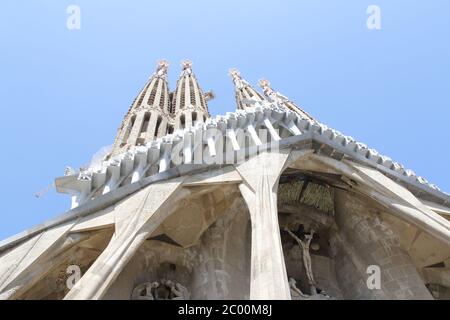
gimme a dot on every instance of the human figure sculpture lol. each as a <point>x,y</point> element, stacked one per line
<point>305,245</point>
<point>296,293</point>
<point>178,291</point>
<point>144,291</point>
<point>163,290</point>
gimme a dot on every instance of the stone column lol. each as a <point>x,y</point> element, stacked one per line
<point>136,218</point>
<point>268,271</point>
<point>151,130</point>
<point>136,130</point>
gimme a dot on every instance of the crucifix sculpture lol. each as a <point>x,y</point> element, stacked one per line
<point>305,245</point>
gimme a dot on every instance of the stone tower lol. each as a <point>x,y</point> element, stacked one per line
<point>189,103</point>
<point>246,95</point>
<point>148,117</point>
<point>297,211</point>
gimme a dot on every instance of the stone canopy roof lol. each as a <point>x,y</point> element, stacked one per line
<point>135,164</point>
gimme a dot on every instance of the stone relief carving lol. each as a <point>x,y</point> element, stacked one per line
<point>297,294</point>
<point>305,245</point>
<point>144,291</point>
<point>191,258</point>
<point>162,290</point>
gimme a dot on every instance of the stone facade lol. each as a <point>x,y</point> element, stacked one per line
<point>277,206</point>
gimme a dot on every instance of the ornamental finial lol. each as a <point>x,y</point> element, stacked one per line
<point>235,74</point>
<point>163,64</point>
<point>186,64</point>
<point>265,85</point>
<point>161,68</point>
<point>187,67</point>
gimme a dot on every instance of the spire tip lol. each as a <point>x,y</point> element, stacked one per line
<point>162,67</point>
<point>235,74</point>
<point>186,64</point>
<point>264,83</point>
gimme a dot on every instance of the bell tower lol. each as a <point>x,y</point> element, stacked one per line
<point>148,116</point>
<point>189,104</point>
<point>246,95</point>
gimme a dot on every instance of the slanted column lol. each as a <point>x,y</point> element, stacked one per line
<point>135,220</point>
<point>268,271</point>
<point>21,266</point>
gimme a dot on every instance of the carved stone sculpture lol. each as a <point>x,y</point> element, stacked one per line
<point>144,291</point>
<point>177,291</point>
<point>305,245</point>
<point>296,293</point>
<point>163,290</point>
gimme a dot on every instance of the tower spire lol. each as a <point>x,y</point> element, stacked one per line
<point>189,103</point>
<point>147,117</point>
<point>276,97</point>
<point>246,95</point>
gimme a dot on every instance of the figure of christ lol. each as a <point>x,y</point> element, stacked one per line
<point>304,245</point>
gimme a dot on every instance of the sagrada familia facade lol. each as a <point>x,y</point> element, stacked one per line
<point>262,203</point>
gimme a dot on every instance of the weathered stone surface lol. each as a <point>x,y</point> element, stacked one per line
<point>268,276</point>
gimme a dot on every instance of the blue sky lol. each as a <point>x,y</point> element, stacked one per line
<point>64,92</point>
